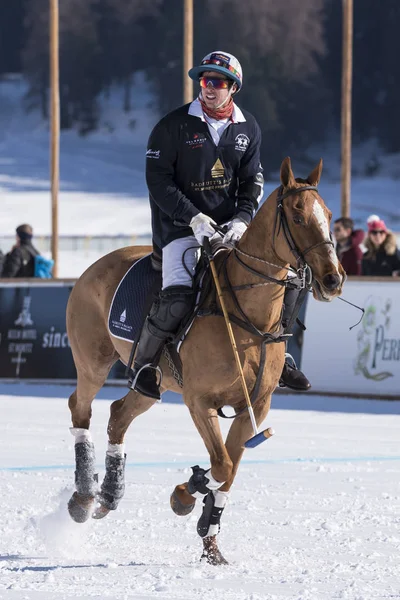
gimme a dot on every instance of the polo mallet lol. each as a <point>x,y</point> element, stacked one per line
<point>261,436</point>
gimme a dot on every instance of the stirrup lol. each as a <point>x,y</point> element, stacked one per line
<point>292,363</point>
<point>133,382</point>
<point>292,378</point>
<point>290,360</point>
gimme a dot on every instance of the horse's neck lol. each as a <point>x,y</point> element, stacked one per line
<point>262,303</point>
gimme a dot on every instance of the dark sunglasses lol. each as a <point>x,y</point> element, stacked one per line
<point>377,231</point>
<point>218,84</point>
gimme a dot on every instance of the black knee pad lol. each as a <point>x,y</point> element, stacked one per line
<point>174,304</point>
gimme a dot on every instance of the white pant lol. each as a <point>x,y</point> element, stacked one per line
<point>173,255</point>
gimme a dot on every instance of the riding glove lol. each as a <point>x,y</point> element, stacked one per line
<point>202,227</point>
<point>236,229</point>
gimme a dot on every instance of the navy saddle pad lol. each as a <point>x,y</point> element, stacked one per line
<point>132,300</point>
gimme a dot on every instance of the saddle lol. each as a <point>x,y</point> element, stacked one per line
<point>135,294</point>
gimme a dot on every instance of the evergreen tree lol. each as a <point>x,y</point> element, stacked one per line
<point>12,33</point>
<point>80,66</point>
<point>35,55</point>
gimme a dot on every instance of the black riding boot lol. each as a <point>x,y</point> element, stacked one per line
<point>166,315</point>
<point>291,376</point>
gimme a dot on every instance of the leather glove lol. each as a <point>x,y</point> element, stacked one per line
<point>201,225</point>
<point>236,229</point>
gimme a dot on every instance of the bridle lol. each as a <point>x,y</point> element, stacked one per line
<point>303,271</point>
<point>281,217</point>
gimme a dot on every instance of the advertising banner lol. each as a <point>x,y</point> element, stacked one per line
<point>365,360</point>
<point>33,338</point>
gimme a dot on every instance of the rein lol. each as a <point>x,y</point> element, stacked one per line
<point>302,281</point>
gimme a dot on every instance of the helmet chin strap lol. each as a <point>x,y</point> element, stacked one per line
<point>224,102</point>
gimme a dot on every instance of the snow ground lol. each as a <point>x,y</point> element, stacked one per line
<point>313,514</point>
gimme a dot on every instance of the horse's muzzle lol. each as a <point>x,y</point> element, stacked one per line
<point>331,281</point>
<point>327,289</point>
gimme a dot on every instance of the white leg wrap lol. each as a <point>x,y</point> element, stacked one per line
<point>80,434</point>
<point>209,522</point>
<point>116,449</point>
<point>220,500</point>
<point>212,485</point>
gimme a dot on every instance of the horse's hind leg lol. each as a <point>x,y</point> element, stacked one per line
<point>122,413</point>
<point>80,404</point>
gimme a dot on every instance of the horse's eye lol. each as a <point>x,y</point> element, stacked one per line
<point>298,220</point>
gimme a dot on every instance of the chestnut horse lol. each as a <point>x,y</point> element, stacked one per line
<point>291,231</point>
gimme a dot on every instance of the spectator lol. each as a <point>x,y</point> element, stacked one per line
<point>1,262</point>
<point>348,242</point>
<point>20,261</point>
<point>382,256</point>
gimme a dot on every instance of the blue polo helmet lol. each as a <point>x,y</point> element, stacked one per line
<point>221,62</point>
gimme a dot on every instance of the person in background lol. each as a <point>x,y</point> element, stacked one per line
<point>20,261</point>
<point>1,263</point>
<point>382,257</point>
<point>348,242</point>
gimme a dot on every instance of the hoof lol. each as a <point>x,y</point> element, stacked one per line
<point>100,512</point>
<point>211,553</point>
<point>182,503</point>
<point>80,507</point>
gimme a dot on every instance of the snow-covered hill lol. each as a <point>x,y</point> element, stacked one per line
<point>102,187</point>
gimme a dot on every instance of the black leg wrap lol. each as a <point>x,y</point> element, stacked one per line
<point>209,522</point>
<point>85,477</point>
<point>198,481</point>
<point>113,486</point>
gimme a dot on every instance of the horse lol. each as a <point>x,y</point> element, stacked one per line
<point>290,231</point>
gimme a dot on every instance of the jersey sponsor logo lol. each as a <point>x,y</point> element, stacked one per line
<point>217,170</point>
<point>211,185</point>
<point>152,153</point>
<point>241,142</point>
<point>197,141</point>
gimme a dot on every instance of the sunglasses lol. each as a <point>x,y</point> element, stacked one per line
<point>376,232</point>
<point>218,84</point>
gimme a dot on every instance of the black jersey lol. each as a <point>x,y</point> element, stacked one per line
<point>187,173</point>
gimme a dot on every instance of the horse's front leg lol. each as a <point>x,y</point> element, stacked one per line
<point>214,493</point>
<point>206,484</point>
<point>122,413</point>
<point>209,524</point>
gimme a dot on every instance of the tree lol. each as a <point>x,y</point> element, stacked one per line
<point>279,47</point>
<point>35,55</point>
<point>12,33</point>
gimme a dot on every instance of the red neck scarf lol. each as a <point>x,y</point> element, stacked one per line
<point>225,112</point>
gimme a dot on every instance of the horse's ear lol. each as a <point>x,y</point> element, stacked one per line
<point>287,177</point>
<point>315,176</point>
